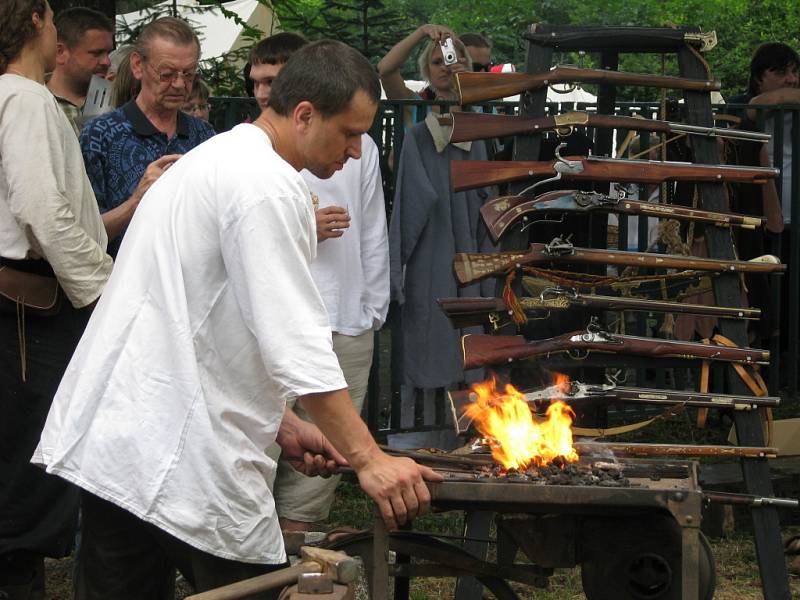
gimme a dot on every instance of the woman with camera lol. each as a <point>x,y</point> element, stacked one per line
<point>432,65</point>
<point>430,222</point>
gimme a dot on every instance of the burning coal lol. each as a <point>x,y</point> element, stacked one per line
<point>518,438</point>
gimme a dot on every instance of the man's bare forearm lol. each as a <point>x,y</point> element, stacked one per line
<point>779,96</point>
<point>116,220</point>
<point>335,416</point>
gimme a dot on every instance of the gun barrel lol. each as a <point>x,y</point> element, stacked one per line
<point>726,132</point>
<point>750,500</point>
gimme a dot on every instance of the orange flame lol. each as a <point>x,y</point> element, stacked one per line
<point>518,437</point>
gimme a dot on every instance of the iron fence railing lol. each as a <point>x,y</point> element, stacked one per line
<point>385,412</point>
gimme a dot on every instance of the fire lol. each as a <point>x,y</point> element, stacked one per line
<point>518,437</point>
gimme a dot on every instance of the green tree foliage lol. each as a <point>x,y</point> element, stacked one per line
<point>367,25</point>
<point>373,26</point>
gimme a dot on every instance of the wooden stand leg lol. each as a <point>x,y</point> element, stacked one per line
<point>380,559</point>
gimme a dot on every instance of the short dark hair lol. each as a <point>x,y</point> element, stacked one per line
<point>476,40</point>
<point>72,23</point>
<point>276,49</point>
<point>327,74</point>
<point>18,29</point>
<point>173,29</point>
<point>770,55</point>
<point>200,90</point>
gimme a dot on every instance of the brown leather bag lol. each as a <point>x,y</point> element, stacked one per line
<point>40,295</point>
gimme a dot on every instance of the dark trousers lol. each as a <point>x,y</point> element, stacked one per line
<point>125,558</point>
<point>38,512</point>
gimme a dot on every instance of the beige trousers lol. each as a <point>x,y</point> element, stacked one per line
<point>309,499</point>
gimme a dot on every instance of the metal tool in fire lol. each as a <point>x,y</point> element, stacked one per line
<point>469,126</point>
<point>501,213</point>
<point>469,312</point>
<point>492,350</point>
<point>478,87</point>
<point>473,266</point>
<point>470,174</point>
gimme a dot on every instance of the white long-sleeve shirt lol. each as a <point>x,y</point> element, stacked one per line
<point>47,206</point>
<point>352,271</point>
<point>209,323</point>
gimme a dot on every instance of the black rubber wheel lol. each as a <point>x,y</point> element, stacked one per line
<point>640,559</point>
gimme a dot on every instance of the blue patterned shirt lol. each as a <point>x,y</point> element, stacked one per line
<point>118,146</point>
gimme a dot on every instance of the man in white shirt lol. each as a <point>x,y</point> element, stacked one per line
<point>209,324</point>
<point>352,274</point>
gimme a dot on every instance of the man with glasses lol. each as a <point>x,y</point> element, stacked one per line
<point>126,150</point>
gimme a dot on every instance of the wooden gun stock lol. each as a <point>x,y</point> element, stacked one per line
<point>470,312</point>
<point>470,267</point>
<point>492,350</point>
<point>478,87</point>
<point>470,174</point>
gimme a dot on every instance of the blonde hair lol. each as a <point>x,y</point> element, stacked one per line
<point>425,58</point>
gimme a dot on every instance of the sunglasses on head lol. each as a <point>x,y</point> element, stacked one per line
<point>481,67</point>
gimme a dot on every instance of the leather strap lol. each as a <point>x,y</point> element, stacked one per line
<point>620,429</point>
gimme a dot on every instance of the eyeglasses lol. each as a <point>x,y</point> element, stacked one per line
<point>194,107</point>
<point>171,76</point>
<point>481,67</point>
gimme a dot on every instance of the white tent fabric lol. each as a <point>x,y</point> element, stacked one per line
<point>218,34</point>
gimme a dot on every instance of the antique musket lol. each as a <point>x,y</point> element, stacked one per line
<point>501,213</point>
<point>473,266</point>
<point>478,87</point>
<point>470,174</point>
<point>491,350</point>
<point>476,460</point>
<point>610,393</point>
<point>471,312</point>
<point>469,126</point>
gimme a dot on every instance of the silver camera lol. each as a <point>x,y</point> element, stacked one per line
<point>449,51</point>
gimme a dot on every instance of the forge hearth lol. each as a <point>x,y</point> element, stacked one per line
<point>651,523</point>
<point>602,474</point>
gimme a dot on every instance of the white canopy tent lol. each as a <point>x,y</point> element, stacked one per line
<point>218,33</point>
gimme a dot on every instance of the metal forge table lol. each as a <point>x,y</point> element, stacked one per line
<point>636,542</point>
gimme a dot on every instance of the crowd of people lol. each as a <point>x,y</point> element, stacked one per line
<point>188,318</point>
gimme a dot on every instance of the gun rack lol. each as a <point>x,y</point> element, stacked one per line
<point>686,44</point>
